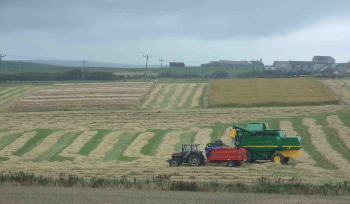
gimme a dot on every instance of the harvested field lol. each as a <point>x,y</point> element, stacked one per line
<point>343,131</point>
<point>304,161</point>
<point>319,141</point>
<point>84,96</point>
<point>121,138</point>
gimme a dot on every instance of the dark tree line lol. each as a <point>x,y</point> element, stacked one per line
<point>179,75</point>
<point>64,76</point>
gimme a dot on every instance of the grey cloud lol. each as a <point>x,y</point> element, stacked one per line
<point>143,19</point>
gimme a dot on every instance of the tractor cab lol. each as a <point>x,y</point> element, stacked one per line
<point>190,154</point>
<point>190,148</point>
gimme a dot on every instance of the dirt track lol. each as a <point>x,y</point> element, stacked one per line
<point>38,195</point>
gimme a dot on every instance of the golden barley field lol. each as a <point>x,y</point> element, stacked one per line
<point>40,135</point>
<point>270,92</point>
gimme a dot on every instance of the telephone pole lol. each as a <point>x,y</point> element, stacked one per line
<point>147,56</point>
<point>84,61</point>
<point>161,63</point>
<point>1,56</point>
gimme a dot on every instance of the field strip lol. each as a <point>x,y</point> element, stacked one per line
<point>186,95</point>
<point>176,95</point>
<point>305,159</point>
<point>343,94</point>
<point>105,146</point>
<point>203,137</point>
<point>225,138</point>
<point>3,134</point>
<point>134,149</point>
<point>197,95</point>
<point>73,149</point>
<point>6,90</point>
<point>15,145</point>
<point>152,95</point>
<point>47,143</point>
<point>165,91</point>
<point>318,139</point>
<point>166,148</point>
<point>343,131</point>
<point>14,92</point>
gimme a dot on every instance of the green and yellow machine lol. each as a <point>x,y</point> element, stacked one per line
<point>266,144</point>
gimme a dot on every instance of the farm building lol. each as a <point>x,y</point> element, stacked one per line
<point>176,64</point>
<point>323,59</point>
<point>318,64</point>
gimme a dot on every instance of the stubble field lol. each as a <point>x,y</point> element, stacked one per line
<point>135,142</point>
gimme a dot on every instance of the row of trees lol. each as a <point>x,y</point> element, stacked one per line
<point>63,76</point>
<point>108,76</point>
<point>101,76</point>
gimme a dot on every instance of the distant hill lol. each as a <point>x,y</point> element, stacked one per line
<point>71,63</point>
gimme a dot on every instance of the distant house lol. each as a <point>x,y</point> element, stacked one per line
<point>323,59</point>
<point>281,65</point>
<point>176,64</point>
<point>304,65</point>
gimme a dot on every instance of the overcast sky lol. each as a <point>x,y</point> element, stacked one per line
<point>191,31</point>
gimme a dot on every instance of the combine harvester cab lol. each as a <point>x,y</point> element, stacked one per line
<point>266,144</point>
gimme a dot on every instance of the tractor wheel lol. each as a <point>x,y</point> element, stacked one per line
<point>231,164</point>
<point>286,160</point>
<point>194,160</point>
<point>250,158</point>
<point>174,162</point>
<point>277,157</point>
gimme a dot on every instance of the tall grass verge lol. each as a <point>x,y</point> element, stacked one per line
<point>163,182</point>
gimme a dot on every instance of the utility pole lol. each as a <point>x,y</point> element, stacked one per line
<point>147,56</point>
<point>161,63</point>
<point>84,61</point>
<point>1,56</point>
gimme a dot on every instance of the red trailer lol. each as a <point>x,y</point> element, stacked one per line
<point>233,157</point>
<point>192,155</point>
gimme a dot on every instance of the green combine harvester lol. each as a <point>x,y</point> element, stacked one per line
<point>266,144</point>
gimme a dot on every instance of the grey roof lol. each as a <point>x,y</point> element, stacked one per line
<point>322,57</point>
<point>229,62</point>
